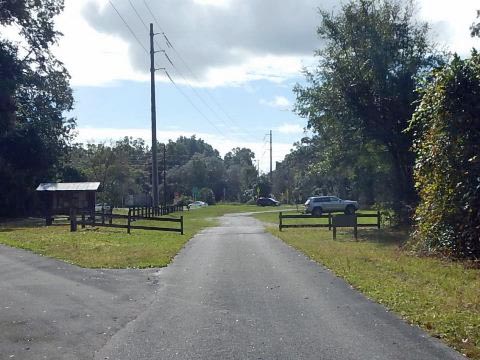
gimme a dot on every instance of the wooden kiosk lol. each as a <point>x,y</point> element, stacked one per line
<point>61,198</point>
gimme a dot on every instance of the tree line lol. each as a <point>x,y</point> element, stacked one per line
<point>395,122</point>
<point>192,169</point>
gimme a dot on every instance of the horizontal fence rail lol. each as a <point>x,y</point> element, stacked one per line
<point>329,216</point>
<point>282,225</point>
<point>105,219</point>
<point>148,212</point>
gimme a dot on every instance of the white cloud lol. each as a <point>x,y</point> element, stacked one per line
<point>225,42</point>
<point>451,22</point>
<point>213,2</point>
<point>99,50</point>
<point>91,57</point>
<point>290,129</point>
<point>279,102</point>
<point>222,144</point>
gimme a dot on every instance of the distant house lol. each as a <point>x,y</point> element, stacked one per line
<point>61,198</point>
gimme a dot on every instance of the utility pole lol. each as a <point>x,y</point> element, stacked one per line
<point>271,159</point>
<point>164,175</point>
<point>154,121</point>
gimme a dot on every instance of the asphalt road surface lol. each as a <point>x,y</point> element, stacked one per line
<point>234,292</point>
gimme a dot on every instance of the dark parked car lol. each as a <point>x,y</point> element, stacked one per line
<point>262,201</point>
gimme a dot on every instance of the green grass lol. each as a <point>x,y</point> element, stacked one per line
<point>440,296</point>
<point>112,248</point>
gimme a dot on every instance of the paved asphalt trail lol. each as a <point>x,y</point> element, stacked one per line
<point>234,292</point>
<point>53,310</point>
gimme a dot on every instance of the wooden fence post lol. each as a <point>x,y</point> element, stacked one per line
<point>73,220</point>
<point>83,220</point>
<point>103,216</point>
<point>329,221</point>
<point>378,219</point>
<point>181,223</point>
<point>280,221</point>
<point>129,219</point>
<point>334,232</point>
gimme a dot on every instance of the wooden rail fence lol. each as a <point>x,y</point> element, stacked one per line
<point>329,216</point>
<point>105,219</point>
<point>146,212</point>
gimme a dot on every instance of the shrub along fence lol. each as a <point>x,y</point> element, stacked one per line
<point>105,219</point>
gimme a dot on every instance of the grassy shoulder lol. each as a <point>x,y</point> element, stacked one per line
<point>441,297</point>
<point>112,248</point>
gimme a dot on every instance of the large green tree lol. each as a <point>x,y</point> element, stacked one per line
<point>320,165</point>
<point>34,97</point>
<point>446,127</point>
<point>121,168</point>
<point>241,174</point>
<point>124,168</point>
<point>362,93</point>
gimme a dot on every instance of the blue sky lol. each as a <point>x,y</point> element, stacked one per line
<point>245,55</point>
<point>234,116</point>
<point>252,109</point>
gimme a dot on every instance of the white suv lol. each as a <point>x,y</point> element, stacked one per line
<point>316,205</point>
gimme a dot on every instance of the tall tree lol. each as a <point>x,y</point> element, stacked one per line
<point>363,89</point>
<point>34,96</point>
<point>446,127</point>
<point>241,173</point>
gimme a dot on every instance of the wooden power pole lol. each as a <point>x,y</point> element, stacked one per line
<point>271,158</point>
<point>154,121</point>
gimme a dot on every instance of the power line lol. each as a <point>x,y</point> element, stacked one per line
<point>128,26</point>
<point>175,68</point>
<point>168,42</point>
<point>207,105</point>
<point>154,18</point>
<point>147,28</point>
<point>193,104</point>
<point>138,15</point>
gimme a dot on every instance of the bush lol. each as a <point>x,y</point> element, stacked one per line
<point>184,200</point>
<point>446,128</point>
<point>207,195</point>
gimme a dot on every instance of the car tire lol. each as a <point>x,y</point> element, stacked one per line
<point>350,210</point>
<point>317,211</point>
